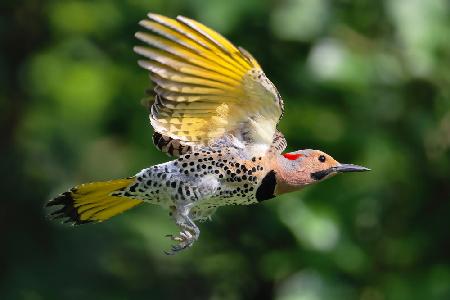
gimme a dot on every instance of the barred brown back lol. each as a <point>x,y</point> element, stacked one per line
<point>170,146</point>
<point>279,142</point>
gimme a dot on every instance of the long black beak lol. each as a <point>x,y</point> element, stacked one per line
<point>341,168</point>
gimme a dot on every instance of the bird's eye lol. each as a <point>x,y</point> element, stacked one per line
<point>322,158</point>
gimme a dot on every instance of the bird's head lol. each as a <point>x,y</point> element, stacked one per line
<point>303,167</point>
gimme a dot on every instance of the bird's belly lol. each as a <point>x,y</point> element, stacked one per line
<point>224,195</point>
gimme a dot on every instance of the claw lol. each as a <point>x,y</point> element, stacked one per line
<point>186,240</point>
<point>188,234</point>
<point>175,238</point>
<point>174,249</point>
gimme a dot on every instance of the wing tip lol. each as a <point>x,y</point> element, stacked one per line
<point>138,34</point>
<point>143,64</point>
<point>142,22</point>
<point>153,16</point>
<point>141,50</point>
<point>137,50</point>
<point>180,17</point>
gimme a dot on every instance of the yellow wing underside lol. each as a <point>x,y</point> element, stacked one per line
<point>205,86</point>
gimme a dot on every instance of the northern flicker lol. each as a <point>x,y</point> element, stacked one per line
<point>216,112</point>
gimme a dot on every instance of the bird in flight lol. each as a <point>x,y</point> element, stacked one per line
<point>216,113</point>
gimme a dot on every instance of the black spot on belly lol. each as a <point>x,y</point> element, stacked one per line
<point>267,188</point>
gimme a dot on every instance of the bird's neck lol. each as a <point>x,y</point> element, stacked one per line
<point>289,175</point>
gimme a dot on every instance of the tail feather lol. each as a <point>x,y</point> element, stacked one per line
<point>92,202</point>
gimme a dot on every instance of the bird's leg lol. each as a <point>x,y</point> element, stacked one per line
<point>189,232</point>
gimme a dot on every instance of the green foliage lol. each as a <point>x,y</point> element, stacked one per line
<point>366,81</point>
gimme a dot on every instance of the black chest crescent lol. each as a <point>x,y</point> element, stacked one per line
<point>266,189</point>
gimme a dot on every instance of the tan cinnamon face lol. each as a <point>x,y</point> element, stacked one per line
<point>318,161</point>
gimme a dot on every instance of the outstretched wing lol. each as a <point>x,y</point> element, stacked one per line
<point>205,87</point>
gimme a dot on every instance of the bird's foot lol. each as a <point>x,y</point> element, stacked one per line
<point>186,239</point>
<point>189,232</point>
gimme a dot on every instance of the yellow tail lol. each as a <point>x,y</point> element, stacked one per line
<point>92,202</point>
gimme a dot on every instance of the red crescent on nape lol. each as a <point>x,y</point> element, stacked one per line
<point>292,156</point>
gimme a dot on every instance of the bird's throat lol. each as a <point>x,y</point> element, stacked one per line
<point>289,179</point>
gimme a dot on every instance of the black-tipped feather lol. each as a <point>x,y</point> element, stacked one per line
<point>67,213</point>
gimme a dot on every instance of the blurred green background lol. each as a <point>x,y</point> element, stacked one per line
<point>366,81</point>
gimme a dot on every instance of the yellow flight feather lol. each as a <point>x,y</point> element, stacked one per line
<point>205,86</point>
